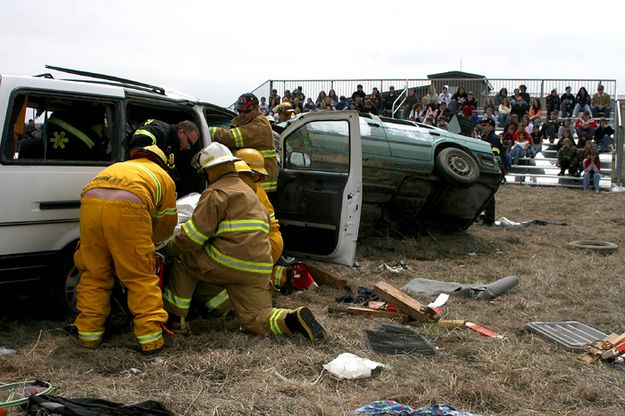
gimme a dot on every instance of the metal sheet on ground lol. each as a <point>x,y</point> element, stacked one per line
<point>572,335</point>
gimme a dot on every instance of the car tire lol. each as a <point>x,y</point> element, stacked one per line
<point>603,247</point>
<point>457,166</point>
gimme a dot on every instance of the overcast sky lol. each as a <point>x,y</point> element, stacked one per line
<point>215,50</point>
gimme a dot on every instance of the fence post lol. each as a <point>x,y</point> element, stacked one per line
<point>618,132</point>
<point>542,88</point>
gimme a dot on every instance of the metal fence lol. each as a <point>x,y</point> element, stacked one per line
<point>482,87</point>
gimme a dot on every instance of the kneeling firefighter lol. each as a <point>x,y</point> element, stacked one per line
<point>226,244</point>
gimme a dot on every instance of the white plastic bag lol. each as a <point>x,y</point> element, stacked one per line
<point>350,366</point>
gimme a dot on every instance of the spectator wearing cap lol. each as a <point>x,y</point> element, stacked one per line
<point>251,129</point>
<point>567,103</point>
<point>600,103</point>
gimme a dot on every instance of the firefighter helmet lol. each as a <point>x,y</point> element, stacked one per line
<point>151,152</point>
<point>253,158</point>
<point>242,167</point>
<point>212,155</point>
<point>246,103</point>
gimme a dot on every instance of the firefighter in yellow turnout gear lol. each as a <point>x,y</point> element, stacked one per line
<point>251,129</point>
<point>214,300</point>
<point>125,210</point>
<point>226,244</point>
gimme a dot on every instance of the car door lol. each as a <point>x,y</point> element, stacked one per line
<point>319,196</point>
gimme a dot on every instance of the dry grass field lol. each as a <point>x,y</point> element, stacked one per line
<point>220,371</point>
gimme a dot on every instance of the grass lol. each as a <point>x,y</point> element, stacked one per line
<point>220,371</point>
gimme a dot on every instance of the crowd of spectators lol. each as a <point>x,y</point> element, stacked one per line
<point>522,124</point>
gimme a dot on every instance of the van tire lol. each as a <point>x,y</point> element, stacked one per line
<point>603,247</point>
<point>457,166</point>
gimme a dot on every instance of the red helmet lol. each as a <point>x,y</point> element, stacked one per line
<point>246,103</point>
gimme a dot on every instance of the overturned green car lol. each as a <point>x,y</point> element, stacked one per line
<point>348,165</point>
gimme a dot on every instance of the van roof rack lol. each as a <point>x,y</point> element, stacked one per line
<point>112,79</point>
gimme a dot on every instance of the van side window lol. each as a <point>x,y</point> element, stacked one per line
<point>48,128</point>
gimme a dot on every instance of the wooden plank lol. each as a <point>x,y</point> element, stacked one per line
<point>325,278</point>
<point>371,313</point>
<point>401,301</point>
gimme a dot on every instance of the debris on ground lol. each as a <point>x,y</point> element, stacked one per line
<point>48,404</point>
<point>389,407</point>
<point>403,266</point>
<point>393,339</point>
<point>481,291</point>
<point>6,351</point>
<point>325,278</point>
<point>609,349</point>
<point>572,335</point>
<point>603,247</point>
<point>369,312</point>
<point>457,323</point>
<point>363,295</point>
<point>504,222</point>
<point>350,366</point>
<point>406,304</point>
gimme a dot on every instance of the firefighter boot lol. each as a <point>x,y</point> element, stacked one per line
<point>177,325</point>
<point>303,321</point>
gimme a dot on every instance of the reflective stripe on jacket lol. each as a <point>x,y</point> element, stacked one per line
<point>230,225</point>
<point>149,182</point>
<point>257,134</point>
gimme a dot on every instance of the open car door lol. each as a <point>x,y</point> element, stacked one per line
<point>319,196</point>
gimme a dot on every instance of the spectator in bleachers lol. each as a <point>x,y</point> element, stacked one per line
<point>592,170</point>
<point>368,107</point>
<point>358,93</point>
<point>536,111</point>
<point>442,122</point>
<point>603,135</point>
<point>415,113</point>
<point>567,124</point>
<point>567,103</point>
<point>550,127</point>
<point>526,123</point>
<point>358,102</point>
<point>524,94</point>
<point>297,93</point>
<point>490,103</point>
<point>445,95</point>
<point>411,100</point>
<point>320,98</point>
<point>504,112</point>
<point>431,113</point>
<point>274,95</point>
<point>287,96</point>
<point>274,101</point>
<point>585,127</point>
<point>519,106</point>
<point>582,102</point>
<point>388,99</point>
<point>333,97</point>
<point>263,107</point>
<point>552,103</point>
<point>567,157</point>
<point>502,95</point>
<point>536,142</point>
<point>376,99</point>
<point>489,115</point>
<point>297,105</point>
<point>473,116</point>
<point>520,146</point>
<point>445,111</point>
<point>600,103</point>
<point>310,105</point>
<point>342,104</point>
<point>432,96</point>
<point>327,105</point>
<point>470,104</point>
<point>458,100</point>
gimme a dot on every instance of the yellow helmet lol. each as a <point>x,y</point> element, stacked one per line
<point>242,167</point>
<point>152,150</point>
<point>253,158</point>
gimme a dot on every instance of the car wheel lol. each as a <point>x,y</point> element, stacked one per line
<point>603,247</point>
<point>72,276</point>
<point>457,166</point>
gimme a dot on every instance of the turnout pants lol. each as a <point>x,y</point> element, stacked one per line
<point>250,293</point>
<point>116,239</point>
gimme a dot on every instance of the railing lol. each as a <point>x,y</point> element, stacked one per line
<point>619,135</point>
<point>482,87</point>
